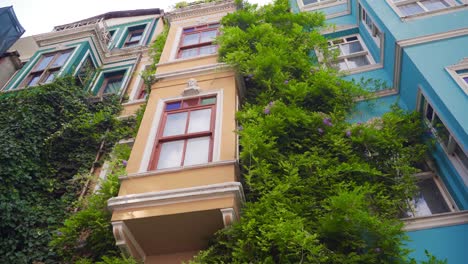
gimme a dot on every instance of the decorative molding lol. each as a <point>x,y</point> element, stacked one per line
<point>434,221</point>
<point>182,195</point>
<point>124,238</point>
<point>192,88</point>
<point>229,216</point>
<point>200,10</point>
<point>192,71</point>
<point>452,71</point>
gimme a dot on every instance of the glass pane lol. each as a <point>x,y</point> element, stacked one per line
<point>51,76</point>
<point>442,131</point>
<point>113,86</point>
<point>358,62</point>
<point>208,49</point>
<point>349,39</point>
<point>434,4</point>
<point>421,105</point>
<point>199,121</point>
<point>191,102</point>
<point>172,106</point>
<point>351,48</point>
<point>175,124</point>
<point>61,59</point>
<point>44,62</point>
<point>429,199</point>
<point>189,29</point>
<point>211,100</point>
<point>135,36</point>
<point>34,80</point>
<point>171,154</point>
<point>342,65</point>
<point>191,39</point>
<point>197,151</point>
<point>306,2</point>
<point>337,41</point>
<point>461,155</point>
<point>465,79</point>
<point>410,9</point>
<point>187,53</point>
<point>429,112</point>
<point>208,35</point>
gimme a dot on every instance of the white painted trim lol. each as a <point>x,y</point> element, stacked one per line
<point>144,164</point>
<point>319,5</point>
<point>434,221</point>
<point>458,78</point>
<point>120,228</point>
<point>344,13</point>
<point>175,196</point>
<point>176,169</point>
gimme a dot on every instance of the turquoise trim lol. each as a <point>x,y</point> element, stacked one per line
<point>122,32</point>
<point>109,71</point>
<point>153,29</point>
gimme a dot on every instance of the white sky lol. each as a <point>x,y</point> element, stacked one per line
<point>40,16</point>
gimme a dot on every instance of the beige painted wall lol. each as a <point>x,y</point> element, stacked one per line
<point>164,89</point>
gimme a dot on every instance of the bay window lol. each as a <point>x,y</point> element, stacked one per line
<point>134,36</point>
<point>352,52</point>
<point>186,133</point>
<point>47,68</point>
<point>198,40</point>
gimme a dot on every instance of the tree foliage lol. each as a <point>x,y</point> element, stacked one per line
<point>50,134</point>
<point>319,189</point>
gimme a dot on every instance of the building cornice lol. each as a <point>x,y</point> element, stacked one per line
<point>200,10</point>
<point>152,199</point>
<point>192,71</point>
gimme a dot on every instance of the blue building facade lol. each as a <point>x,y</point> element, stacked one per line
<point>418,51</point>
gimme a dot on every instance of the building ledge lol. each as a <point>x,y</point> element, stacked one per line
<point>433,221</point>
<point>151,199</point>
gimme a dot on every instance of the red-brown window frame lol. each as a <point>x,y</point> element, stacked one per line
<point>107,79</point>
<point>131,32</point>
<point>153,165</point>
<point>197,30</point>
<point>48,69</point>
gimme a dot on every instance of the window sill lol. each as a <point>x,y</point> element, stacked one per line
<point>320,5</point>
<point>433,221</point>
<point>369,67</point>
<point>432,13</point>
<point>177,169</point>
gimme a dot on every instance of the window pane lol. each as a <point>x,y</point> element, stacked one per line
<point>429,112</point>
<point>410,9</point>
<point>175,124</point>
<point>342,65</point>
<point>171,154</point>
<point>61,59</point>
<point>172,106</point>
<point>358,62</point>
<point>208,49</point>
<point>51,76</point>
<point>350,48</point>
<point>191,39</point>
<point>353,38</point>
<point>465,79</point>
<point>136,36</point>
<point>435,4</point>
<point>442,131</point>
<point>199,121</point>
<point>34,80</point>
<point>208,36</point>
<point>44,62</point>
<point>113,86</point>
<point>429,199</point>
<point>211,100</point>
<point>187,53</point>
<point>421,105</point>
<point>197,151</point>
<point>306,2</point>
<point>191,102</point>
<point>461,155</point>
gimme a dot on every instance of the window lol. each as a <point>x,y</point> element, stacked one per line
<point>414,7</point>
<point>447,140</point>
<point>316,4</point>
<point>371,27</point>
<point>198,40</point>
<point>112,83</point>
<point>463,74</point>
<point>47,68</point>
<point>431,198</point>
<point>352,53</point>
<point>142,92</point>
<point>134,37</point>
<point>86,72</point>
<point>186,133</point>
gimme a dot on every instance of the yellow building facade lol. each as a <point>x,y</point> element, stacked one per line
<point>183,177</point>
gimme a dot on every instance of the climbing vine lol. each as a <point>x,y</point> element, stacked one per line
<point>319,189</point>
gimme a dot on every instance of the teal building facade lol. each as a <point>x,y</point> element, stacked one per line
<point>418,51</point>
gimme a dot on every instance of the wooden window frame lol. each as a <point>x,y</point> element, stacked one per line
<point>160,139</point>
<point>48,69</point>
<point>107,79</point>
<point>131,32</point>
<point>199,45</point>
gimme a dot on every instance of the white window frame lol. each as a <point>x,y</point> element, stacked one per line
<point>374,31</point>
<point>152,136</point>
<point>451,205</point>
<point>395,6</point>
<point>364,52</point>
<point>458,78</point>
<point>319,4</point>
<point>452,141</point>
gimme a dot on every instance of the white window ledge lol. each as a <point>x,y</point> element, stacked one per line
<point>433,221</point>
